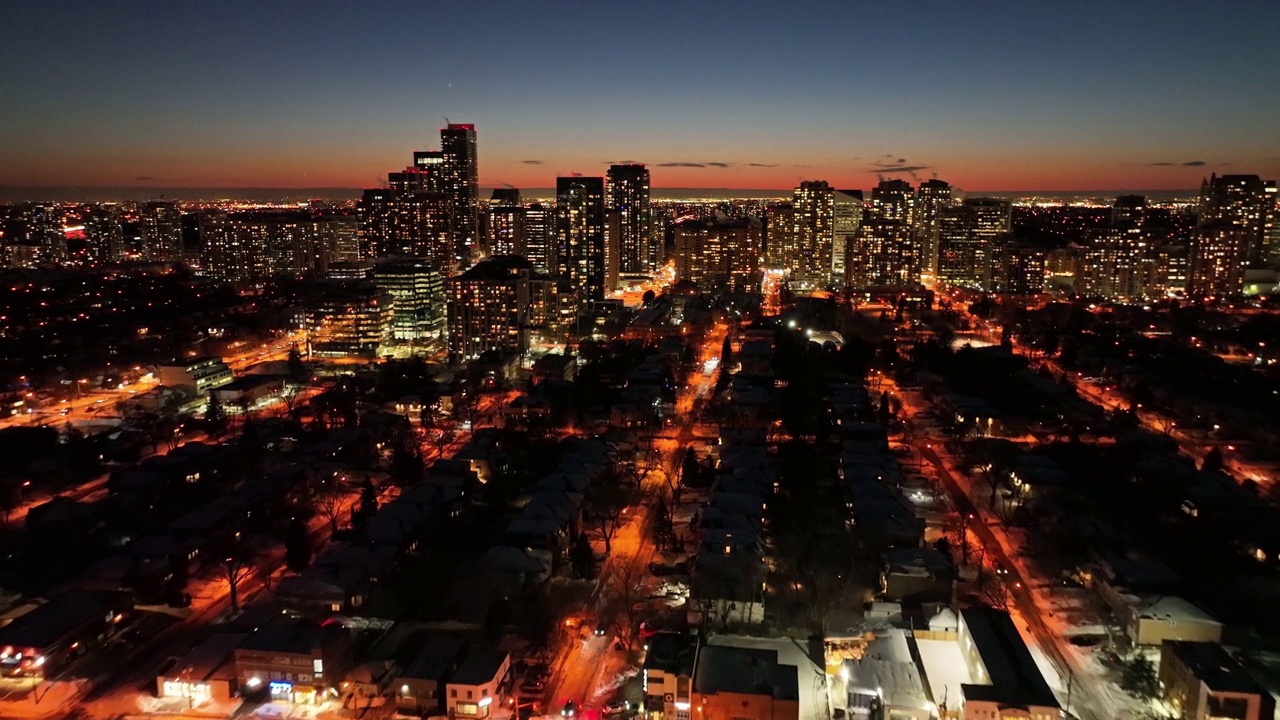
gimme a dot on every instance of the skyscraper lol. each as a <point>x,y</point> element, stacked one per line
<point>460,183</point>
<point>506,222</point>
<point>779,235</point>
<point>814,234</point>
<point>161,225</point>
<point>408,224</point>
<point>540,237</point>
<point>1021,271</point>
<point>580,241</point>
<point>1117,263</point>
<point>1219,255</point>
<point>45,230</point>
<point>501,304</point>
<point>1246,201</point>
<point>847,219</point>
<point>968,236</point>
<point>932,197</point>
<point>719,255</point>
<point>1129,211</point>
<point>105,234</point>
<point>886,253</point>
<point>627,192</point>
<point>894,200</point>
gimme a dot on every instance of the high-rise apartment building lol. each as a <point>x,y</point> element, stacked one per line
<point>416,290</point>
<point>540,237</point>
<point>45,231</point>
<point>104,233</point>
<point>460,183</point>
<point>932,198</point>
<point>339,235</point>
<point>161,227</point>
<point>1021,270</point>
<point>1117,263</point>
<point>968,236</point>
<point>1172,266</point>
<point>887,253</point>
<point>580,235</point>
<point>408,224</point>
<point>847,219</point>
<point>1246,201</point>
<point>894,200</point>
<point>1219,255</point>
<point>719,255</point>
<point>1129,211</point>
<point>813,234</point>
<point>501,304</point>
<point>506,224</point>
<point>627,193</point>
<point>252,246</point>
<point>779,235</point>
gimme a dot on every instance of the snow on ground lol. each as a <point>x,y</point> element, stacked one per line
<point>944,670</point>
<point>608,688</point>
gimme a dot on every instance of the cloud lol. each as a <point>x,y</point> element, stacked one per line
<point>761,165</point>
<point>1190,163</point>
<point>898,168</point>
<point>901,160</point>
<point>719,164</point>
<point>621,162</point>
<point>146,178</point>
<point>531,162</point>
<point>681,164</point>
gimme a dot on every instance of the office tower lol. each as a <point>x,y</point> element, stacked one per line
<point>968,235</point>
<point>460,183</point>
<point>540,237</point>
<point>627,193</point>
<point>501,304</point>
<point>339,235</point>
<point>779,235</point>
<point>846,221</point>
<point>1022,270</point>
<point>893,200</point>
<point>417,224</point>
<point>105,234</point>
<point>1172,265</point>
<point>416,290</point>
<point>1129,211</point>
<point>814,224</point>
<point>348,319</point>
<point>1219,255</point>
<point>719,255</point>
<point>1246,201</point>
<point>886,253</point>
<point>506,226</point>
<point>1115,264</point>
<point>45,230</point>
<point>932,198</point>
<point>580,235</point>
<point>161,226</point>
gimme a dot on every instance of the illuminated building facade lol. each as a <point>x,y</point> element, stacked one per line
<point>1219,255</point>
<point>1021,270</point>
<point>416,290</point>
<point>932,198</point>
<point>45,231</point>
<point>813,234</point>
<point>968,236</point>
<point>540,237</point>
<point>506,228</point>
<point>894,201</point>
<point>627,193</point>
<point>250,247</point>
<point>719,255</point>
<point>460,184</point>
<point>847,219</point>
<point>1246,201</point>
<point>1172,265</point>
<point>408,224</point>
<point>161,228</point>
<point>1117,263</point>
<point>104,233</point>
<point>580,241</point>
<point>886,253</point>
<point>348,319</point>
<point>779,235</point>
<point>501,304</point>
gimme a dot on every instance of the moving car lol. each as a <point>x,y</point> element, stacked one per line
<point>602,629</point>
<point>617,707</point>
<point>569,710</point>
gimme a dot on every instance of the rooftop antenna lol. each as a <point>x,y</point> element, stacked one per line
<point>446,120</point>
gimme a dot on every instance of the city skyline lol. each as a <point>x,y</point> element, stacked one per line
<point>1000,98</point>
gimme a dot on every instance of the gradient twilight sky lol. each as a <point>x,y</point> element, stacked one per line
<point>989,95</point>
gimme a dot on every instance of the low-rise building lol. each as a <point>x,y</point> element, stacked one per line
<point>884,682</point>
<point>202,373</point>
<point>667,676</point>
<point>1007,682</point>
<point>479,684</point>
<point>290,660</point>
<point>1201,681</point>
<point>205,674</point>
<point>740,683</point>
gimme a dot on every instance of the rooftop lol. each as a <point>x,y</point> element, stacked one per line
<point>1015,678</point>
<point>1215,668</point>
<point>746,671</point>
<point>479,668</point>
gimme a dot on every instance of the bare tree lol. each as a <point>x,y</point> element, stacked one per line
<point>238,560</point>
<point>607,500</point>
<point>624,605</point>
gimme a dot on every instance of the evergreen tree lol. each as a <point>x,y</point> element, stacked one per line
<point>583,559</point>
<point>297,369</point>
<point>368,506</point>
<point>1212,461</point>
<point>215,416</point>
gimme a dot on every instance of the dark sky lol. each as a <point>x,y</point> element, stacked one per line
<point>988,95</point>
